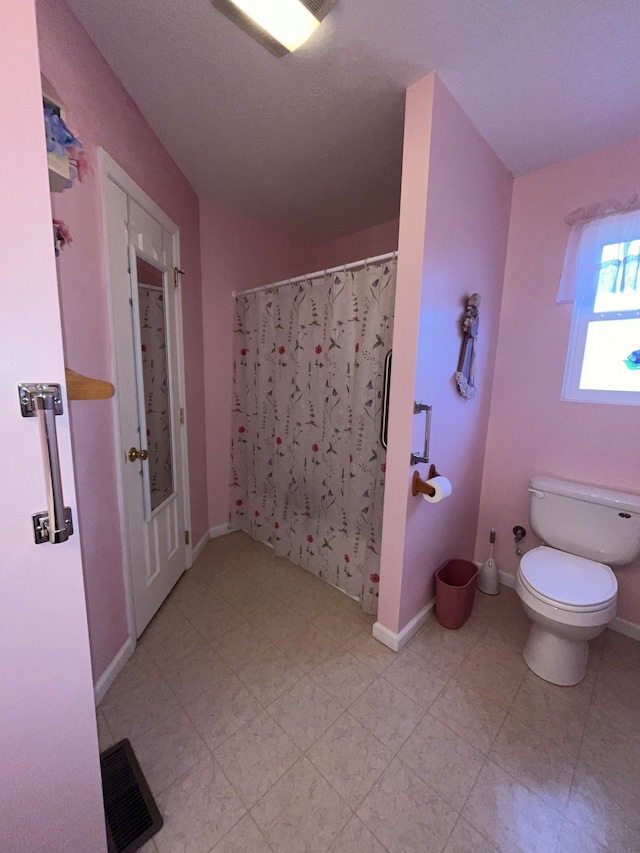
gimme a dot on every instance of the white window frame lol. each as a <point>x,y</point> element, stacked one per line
<point>584,314</point>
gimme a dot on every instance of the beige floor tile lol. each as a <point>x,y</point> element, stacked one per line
<point>284,583</point>
<point>278,622</point>
<point>387,713</point>
<point>240,646</point>
<point>514,624</point>
<point>252,599</point>
<point>369,651</point>
<point>195,674</point>
<point>620,677</point>
<point>137,669</point>
<point>621,651</point>
<point>307,646</point>
<point>263,568</point>
<point>579,695</point>
<point>105,738</point>
<point>405,814</point>
<point>543,766</point>
<point>440,646</point>
<point>494,644</point>
<point>245,837</point>
<point>350,758</point>
<point>417,678</point>
<point>412,806</point>
<point>198,810</point>
<point>305,712</point>
<point>513,818</point>
<point>343,677</point>
<point>469,715</point>
<point>169,749</point>
<point>311,602</point>
<point>442,759</point>
<point>149,847</point>
<point>301,813</point>
<point>489,678</point>
<point>229,582</point>
<point>474,627</point>
<point>356,838</point>
<point>615,709</point>
<point>175,643</point>
<point>222,710</point>
<point>132,713</point>
<point>192,596</point>
<point>338,624</point>
<point>609,755</point>
<point>216,623</point>
<point>256,756</point>
<point>168,616</point>
<point>606,812</point>
<point>466,839</point>
<point>550,714</point>
<point>269,674</point>
<point>574,840</point>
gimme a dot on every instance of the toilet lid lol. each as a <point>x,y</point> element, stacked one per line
<point>568,579</point>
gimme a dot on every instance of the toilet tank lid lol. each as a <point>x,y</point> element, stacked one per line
<point>567,578</point>
<point>585,492</point>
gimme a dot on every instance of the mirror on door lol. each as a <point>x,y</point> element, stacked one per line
<point>155,380</point>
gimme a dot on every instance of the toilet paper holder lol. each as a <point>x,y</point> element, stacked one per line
<point>418,485</point>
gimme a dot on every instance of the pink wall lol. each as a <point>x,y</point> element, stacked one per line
<point>50,792</point>
<point>239,253</point>
<point>453,235</point>
<point>102,114</point>
<point>369,243</point>
<point>531,429</point>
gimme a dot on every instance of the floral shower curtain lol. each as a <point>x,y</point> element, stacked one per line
<point>307,464</point>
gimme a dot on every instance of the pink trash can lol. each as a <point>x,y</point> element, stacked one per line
<point>456,583</point>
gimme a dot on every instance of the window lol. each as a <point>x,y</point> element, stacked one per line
<point>601,276</point>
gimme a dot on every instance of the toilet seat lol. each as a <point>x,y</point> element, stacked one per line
<point>566,581</point>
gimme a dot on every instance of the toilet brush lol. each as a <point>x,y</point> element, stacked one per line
<point>488,577</point>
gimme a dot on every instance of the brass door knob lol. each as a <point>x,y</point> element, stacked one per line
<point>137,454</point>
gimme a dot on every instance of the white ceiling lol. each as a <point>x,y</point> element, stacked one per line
<point>312,143</point>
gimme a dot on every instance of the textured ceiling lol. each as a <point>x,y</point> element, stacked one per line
<point>312,143</point>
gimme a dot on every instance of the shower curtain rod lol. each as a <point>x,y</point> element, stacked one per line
<point>363,263</point>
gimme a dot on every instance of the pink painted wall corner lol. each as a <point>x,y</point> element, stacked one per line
<point>531,430</point>
<point>102,114</point>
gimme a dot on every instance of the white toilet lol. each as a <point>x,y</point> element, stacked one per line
<point>568,590</point>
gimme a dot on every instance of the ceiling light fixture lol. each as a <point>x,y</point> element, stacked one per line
<point>280,25</point>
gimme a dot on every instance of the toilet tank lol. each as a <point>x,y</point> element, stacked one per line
<point>595,523</point>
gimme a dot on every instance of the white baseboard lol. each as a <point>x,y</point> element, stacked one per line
<point>198,548</point>
<point>507,579</point>
<point>111,672</point>
<point>219,530</point>
<point>398,641</point>
<point>629,629</point>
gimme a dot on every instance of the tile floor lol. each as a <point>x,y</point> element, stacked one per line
<point>268,720</point>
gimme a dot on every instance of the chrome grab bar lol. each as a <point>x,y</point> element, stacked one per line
<point>44,401</point>
<point>419,407</point>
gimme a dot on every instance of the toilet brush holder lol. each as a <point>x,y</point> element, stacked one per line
<point>488,581</point>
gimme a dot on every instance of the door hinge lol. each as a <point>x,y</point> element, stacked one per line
<point>186,537</point>
<point>181,416</point>
<point>176,276</point>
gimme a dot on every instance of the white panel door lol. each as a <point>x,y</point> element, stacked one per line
<point>149,392</point>
<point>50,791</point>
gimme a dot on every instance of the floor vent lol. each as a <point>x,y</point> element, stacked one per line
<point>130,810</point>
